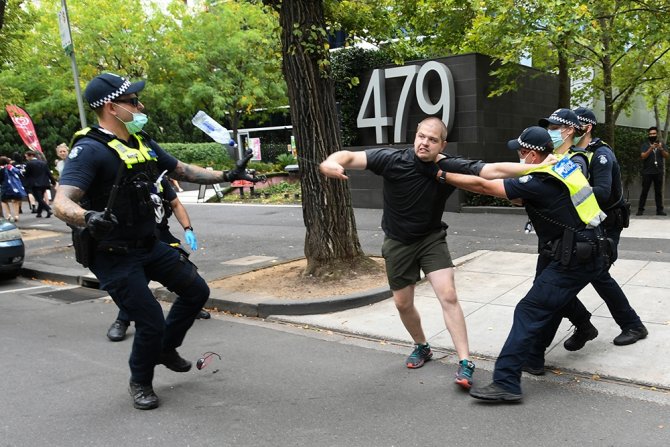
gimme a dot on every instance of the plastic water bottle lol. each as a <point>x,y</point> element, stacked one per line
<point>212,128</point>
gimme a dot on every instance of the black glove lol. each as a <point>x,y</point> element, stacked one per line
<point>240,171</point>
<point>98,225</point>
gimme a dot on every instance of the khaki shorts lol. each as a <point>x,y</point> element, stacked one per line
<point>404,262</point>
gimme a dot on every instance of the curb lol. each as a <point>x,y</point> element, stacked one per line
<point>68,276</point>
<point>262,309</point>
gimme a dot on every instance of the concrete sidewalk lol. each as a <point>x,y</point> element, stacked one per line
<point>489,284</point>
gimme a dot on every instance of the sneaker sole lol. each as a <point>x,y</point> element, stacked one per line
<point>419,365</point>
<point>464,383</point>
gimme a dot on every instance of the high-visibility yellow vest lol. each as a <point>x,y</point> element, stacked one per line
<point>581,193</point>
<point>128,155</point>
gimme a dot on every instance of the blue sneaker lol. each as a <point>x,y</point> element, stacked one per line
<point>419,356</point>
<point>464,375</point>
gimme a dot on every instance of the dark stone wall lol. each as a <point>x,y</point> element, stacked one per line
<point>482,125</point>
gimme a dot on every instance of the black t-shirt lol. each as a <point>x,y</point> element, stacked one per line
<point>654,163</point>
<point>413,202</point>
<point>546,196</point>
<point>92,167</point>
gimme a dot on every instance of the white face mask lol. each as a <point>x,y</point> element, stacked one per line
<point>523,160</point>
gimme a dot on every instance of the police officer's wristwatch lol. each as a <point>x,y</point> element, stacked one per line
<point>441,176</point>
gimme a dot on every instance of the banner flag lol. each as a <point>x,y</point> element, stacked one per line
<point>24,126</point>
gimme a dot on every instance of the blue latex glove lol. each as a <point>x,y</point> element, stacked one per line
<point>189,235</point>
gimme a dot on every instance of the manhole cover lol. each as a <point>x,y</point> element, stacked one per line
<point>73,295</point>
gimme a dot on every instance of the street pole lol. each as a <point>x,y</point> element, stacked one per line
<point>66,41</point>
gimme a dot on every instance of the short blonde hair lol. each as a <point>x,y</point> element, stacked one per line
<point>443,132</point>
<point>62,145</point>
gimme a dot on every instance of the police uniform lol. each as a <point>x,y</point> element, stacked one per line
<point>130,255</point>
<point>605,178</point>
<point>563,211</point>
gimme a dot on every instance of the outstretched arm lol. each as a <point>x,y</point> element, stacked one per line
<point>66,206</point>
<point>334,166</point>
<point>506,170</point>
<point>478,185</point>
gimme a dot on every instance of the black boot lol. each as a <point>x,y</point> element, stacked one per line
<point>117,331</point>
<point>582,334</point>
<point>630,336</point>
<point>143,396</point>
<point>172,360</point>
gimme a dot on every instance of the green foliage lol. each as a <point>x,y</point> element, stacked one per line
<point>284,160</point>
<point>347,66</point>
<point>626,147</point>
<point>203,154</point>
<point>472,199</point>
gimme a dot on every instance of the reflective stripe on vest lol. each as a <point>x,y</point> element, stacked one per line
<point>581,193</point>
<point>127,154</point>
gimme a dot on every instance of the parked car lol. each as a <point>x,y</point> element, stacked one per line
<point>12,250</point>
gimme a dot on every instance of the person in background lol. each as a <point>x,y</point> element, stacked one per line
<point>40,178</point>
<point>653,154</point>
<point>61,152</point>
<point>170,204</point>
<point>13,191</point>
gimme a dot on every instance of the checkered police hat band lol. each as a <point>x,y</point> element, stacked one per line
<point>530,146</point>
<point>561,120</point>
<point>586,120</point>
<point>112,96</point>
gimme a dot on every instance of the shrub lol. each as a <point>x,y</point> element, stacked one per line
<point>284,160</point>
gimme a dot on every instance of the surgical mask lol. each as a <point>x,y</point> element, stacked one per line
<point>556,137</point>
<point>576,140</point>
<point>137,123</point>
<point>523,160</point>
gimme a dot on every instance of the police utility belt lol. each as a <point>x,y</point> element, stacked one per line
<point>618,218</point>
<point>567,250</point>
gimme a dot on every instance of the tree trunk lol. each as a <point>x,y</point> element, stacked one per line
<point>563,75</point>
<point>608,94</point>
<point>332,246</point>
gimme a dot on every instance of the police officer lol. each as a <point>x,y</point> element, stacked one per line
<point>105,195</point>
<point>564,211</point>
<point>167,204</point>
<point>604,175</point>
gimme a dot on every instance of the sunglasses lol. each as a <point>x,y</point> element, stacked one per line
<point>206,359</point>
<point>135,101</point>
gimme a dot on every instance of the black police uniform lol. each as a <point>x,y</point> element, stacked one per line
<point>557,280</point>
<point>130,255</point>
<point>605,178</point>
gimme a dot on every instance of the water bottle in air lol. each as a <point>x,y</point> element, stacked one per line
<point>212,128</point>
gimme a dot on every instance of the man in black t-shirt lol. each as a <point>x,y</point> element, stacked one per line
<point>653,154</point>
<point>415,236</point>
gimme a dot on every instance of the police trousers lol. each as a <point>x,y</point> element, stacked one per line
<point>554,287</point>
<point>610,292</point>
<point>125,275</point>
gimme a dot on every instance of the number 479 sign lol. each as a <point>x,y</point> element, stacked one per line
<point>416,85</point>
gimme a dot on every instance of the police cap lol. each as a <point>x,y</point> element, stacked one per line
<point>533,138</point>
<point>107,87</point>
<point>586,116</point>
<point>565,117</point>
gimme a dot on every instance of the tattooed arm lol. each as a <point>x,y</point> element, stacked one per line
<point>196,174</point>
<point>66,205</point>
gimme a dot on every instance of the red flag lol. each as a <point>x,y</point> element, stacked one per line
<point>24,125</point>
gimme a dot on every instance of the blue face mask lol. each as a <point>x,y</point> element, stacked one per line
<point>137,123</point>
<point>576,140</point>
<point>556,137</point>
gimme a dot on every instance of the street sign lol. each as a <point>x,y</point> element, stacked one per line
<point>64,29</point>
